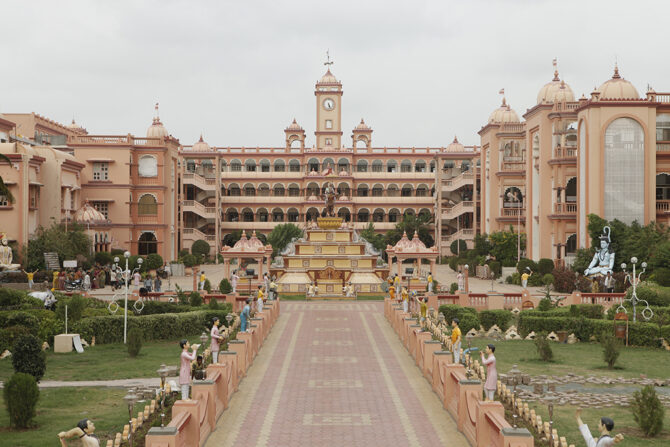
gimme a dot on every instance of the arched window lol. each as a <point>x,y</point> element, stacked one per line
<point>312,214</point>
<point>293,215</point>
<point>571,244</point>
<point>377,190</point>
<point>432,166</point>
<point>406,166</point>
<point>392,190</point>
<point>377,166</point>
<point>247,215</point>
<point>190,165</point>
<point>263,190</point>
<point>421,191</point>
<point>362,166</point>
<point>278,190</point>
<point>148,166</point>
<point>147,244</point>
<point>277,215</point>
<point>513,198</point>
<point>234,190</point>
<point>265,166</point>
<point>362,190</point>
<point>663,186</point>
<point>420,166</point>
<point>378,215</point>
<point>313,165</point>
<point>391,166</point>
<point>147,205</point>
<point>235,166</point>
<point>224,165</point>
<point>571,190</point>
<point>344,214</point>
<point>663,127</point>
<point>262,215</point>
<point>363,215</point>
<point>424,212</point>
<point>394,215</point>
<point>344,189</point>
<point>293,190</point>
<point>250,165</point>
<point>406,191</point>
<point>232,215</point>
<point>280,166</point>
<point>294,166</point>
<point>342,165</point>
<point>624,171</point>
<point>249,190</point>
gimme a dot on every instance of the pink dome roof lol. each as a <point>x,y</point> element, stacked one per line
<point>504,114</point>
<point>294,126</point>
<point>201,146</point>
<point>88,214</point>
<point>555,91</point>
<point>328,78</point>
<point>455,146</point>
<point>362,126</point>
<point>618,88</point>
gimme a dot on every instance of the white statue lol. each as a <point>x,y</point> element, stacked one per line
<point>603,260</point>
<point>6,256</point>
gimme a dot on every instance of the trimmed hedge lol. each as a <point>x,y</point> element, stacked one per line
<point>499,317</point>
<point>639,334</point>
<point>172,326</point>
<point>452,311</point>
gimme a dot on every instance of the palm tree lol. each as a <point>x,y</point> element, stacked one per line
<point>4,191</point>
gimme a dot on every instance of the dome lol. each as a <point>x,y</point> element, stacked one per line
<point>328,78</point>
<point>201,146</point>
<point>503,114</point>
<point>455,146</point>
<point>74,126</point>
<point>88,214</point>
<point>294,126</point>
<point>362,126</point>
<point>555,91</point>
<point>618,88</point>
<point>157,130</point>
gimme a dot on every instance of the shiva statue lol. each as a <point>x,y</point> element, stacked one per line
<point>603,260</point>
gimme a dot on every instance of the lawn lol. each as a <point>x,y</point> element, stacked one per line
<point>107,362</point>
<point>564,421</point>
<point>581,358</point>
<point>59,409</point>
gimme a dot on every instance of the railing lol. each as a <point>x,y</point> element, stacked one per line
<point>205,211</point>
<point>454,183</point>
<point>146,219</point>
<point>447,299</point>
<point>663,206</point>
<point>512,127</point>
<point>607,300</point>
<point>147,181</point>
<point>662,147</point>
<point>479,301</point>
<point>513,166</point>
<point>195,234</point>
<point>463,234</point>
<point>114,140</point>
<point>457,210</point>
<point>199,181</point>
<point>565,152</point>
<point>565,208</point>
<point>513,212</point>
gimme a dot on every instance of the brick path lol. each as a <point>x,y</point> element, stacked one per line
<point>334,374</point>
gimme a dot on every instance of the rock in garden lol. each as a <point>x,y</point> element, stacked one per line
<point>5,354</point>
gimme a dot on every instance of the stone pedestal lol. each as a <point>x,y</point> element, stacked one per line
<point>63,342</point>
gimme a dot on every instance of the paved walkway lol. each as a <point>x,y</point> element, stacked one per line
<point>334,374</point>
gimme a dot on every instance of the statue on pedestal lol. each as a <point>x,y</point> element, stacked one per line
<point>6,255</point>
<point>329,196</point>
<point>603,260</point>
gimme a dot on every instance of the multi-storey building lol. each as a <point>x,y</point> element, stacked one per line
<point>255,188</point>
<point>608,154</point>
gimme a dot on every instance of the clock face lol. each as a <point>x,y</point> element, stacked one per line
<point>328,104</point>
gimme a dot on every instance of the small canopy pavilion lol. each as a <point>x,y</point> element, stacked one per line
<point>408,249</point>
<point>97,226</point>
<point>247,248</point>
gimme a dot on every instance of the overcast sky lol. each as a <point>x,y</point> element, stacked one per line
<point>419,72</point>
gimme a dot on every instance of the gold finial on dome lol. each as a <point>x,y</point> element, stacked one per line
<point>616,74</point>
<point>555,64</point>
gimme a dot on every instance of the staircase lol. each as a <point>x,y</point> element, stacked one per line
<point>51,261</point>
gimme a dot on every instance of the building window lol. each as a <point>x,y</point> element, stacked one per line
<point>147,244</point>
<point>235,166</point>
<point>4,201</point>
<point>329,124</point>
<point>102,207</point>
<point>147,205</point>
<point>34,193</point>
<point>294,166</point>
<point>663,127</point>
<point>148,166</point>
<point>329,141</point>
<point>100,171</point>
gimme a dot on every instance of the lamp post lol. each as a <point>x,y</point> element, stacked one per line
<point>467,278</point>
<point>162,372</point>
<point>131,398</point>
<point>126,276</point>
<point>634,280</point>
<point>550,398</point>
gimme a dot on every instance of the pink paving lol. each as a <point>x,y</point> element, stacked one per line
<point>338,387</point>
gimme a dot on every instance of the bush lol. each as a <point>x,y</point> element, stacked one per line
<point>467,322</point>
<point>21,395</point>
<point>499,317</point>
<point>10,297</point>
<point>189,260</point>
<point>514,278</point>
<point>170,326</point>
<point>452,311</point>
<point>453,263</point>
<point>564,280</point>
<point>208,286</point>
<point>649,294</point>
<point>648,411</point>
<point>593,311</point>
<point>183,253</point>
<point>458,246</point>
<point>544,305</point>
<point>611,348</point>
<point>75,308</point>
<point>225,286</point>
<point>496,268</point>
<point>28,357</point>
<point>545,266</point>
<point>9,335</point>
<point>134,341</point>
<point>103,258</point>
<point>195,299</point>
<point>154,261</point>
<point>524,263</point>
<point>213,304</point>
<point>662,276</point>
<point>543,347</point>
<point>21,318</point>
<point>200,248</point>
<point>547,279</point>
<point>453,287</point>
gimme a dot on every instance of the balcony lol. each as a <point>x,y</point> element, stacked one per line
<point>512,215</point>
<point>206,184</point>
<point>663,207</point>
<point>514,166</point>
<point>257,175</point>
<point>565,210</point>
<point>564,155</point>
<point>458,209</point>
<point>464,234</point>
<point>208,212</point>
<point>663,147</point>
<point>452,184</point>
<point>194,234</point>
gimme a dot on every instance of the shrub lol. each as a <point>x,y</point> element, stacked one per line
<point>183,253</point>
<point>648,411</point>
<point>611,348</point>
<point>9,335</point>
<point>133,264</point>
<point>453,263</point>
<point>452,311</point>
<point>21,395</point>
<point>594,311</point>
<point>547,279</point>
<point>28,357</point>
<point>49,328</point>
<point>208,286</point>
<point>496,268</point>
<point>225,286</point>
<point>24,319</point>
<point>543,347</point>
<point>75,307</point>
<point>467,322</point>
<point>564,280</point>
<point>458,246</point>
<point>103,258</point>
<point>526,263</point>
<point>544,305</point>
<point>213,304</point>
<point>195,299</point>
<point>189,260</point>
<point>583,284</point>
<point>200,248</point>
<point>134,341</point>
<point>154,261</point>
<point>649,294</point>
<point>453,287</point>
<point>662,276</point>
<point>499,317</point>
<point>10,297</point>
<point>181,295</point>
<point>545,266</point>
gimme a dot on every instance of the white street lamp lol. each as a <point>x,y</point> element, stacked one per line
<point>126,276</point>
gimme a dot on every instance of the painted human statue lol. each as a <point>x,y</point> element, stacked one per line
<point>6,255</point>
<point>329,195</point>
<point>84,432</point>
<point>603,261</point>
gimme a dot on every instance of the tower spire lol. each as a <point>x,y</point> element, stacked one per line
<point>328,62</point>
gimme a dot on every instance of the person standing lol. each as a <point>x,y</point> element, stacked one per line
<point>185,369</point>
<point>136,280</point>
<point>524,277</point>
<point>102,282</point>
<point>233,280</point>
<point>30,276</point>
<point>273,289</point>
<point>460,279</point>
<point>201,286</point>
<point>405,300</point>
<point>392,292</point>
<point>266,282</point>
<point>396,281</point>
<point>430,282</point>
<point>55,280</point>
<point>423,309</point>
<point>147,283</point>
<point>157,283</point>
<point>245,315</point>
<point>604,427</point>
<point>609,283</point>
<point>491,371</point>
<point>456,340</point>
<point>259,299</point>
<point>87,281</point>
<point>216,337</point>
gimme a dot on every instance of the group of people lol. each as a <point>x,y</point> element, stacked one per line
<point>95,278</point>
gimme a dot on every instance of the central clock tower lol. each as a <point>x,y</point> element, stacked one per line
<point>328,94</point>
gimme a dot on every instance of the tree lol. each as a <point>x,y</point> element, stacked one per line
<point>4,190</point>
<point>378,240</point>
<point>67,244</point>
<point>28,357</point>
<point>154,261</point>
<point>411,224</point>
<point>282,235</point>
<point>200,248</point>
<point>21,394</point>
<point>454,247</point>
<point>504,246</point>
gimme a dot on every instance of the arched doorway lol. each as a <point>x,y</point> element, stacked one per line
<point>147,244</point>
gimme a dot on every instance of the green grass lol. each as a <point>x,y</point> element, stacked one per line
<point>59,409</point>
<point>565,423</point>
<point>370,297</point>
<point>107,362</point>
<point>581,358</point>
